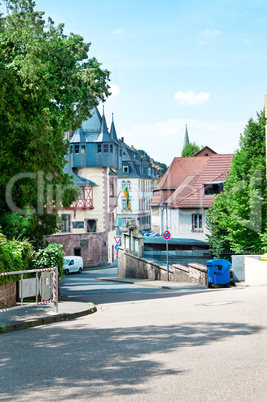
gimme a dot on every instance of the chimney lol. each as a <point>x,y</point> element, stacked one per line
<point>122,139</point>
<point>132,147</point>
<point>195,152</point>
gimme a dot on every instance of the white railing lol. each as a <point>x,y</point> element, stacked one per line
<point>54,293</point>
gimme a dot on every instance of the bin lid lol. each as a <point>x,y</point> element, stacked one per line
<point>264,257</point>
<point>219,261</point>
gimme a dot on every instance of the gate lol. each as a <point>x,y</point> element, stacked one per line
<point>47,286</point>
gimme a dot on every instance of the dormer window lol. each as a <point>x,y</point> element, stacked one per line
<point>213,188</point>
<point>125,169</point>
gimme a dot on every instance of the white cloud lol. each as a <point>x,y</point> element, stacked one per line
<point>118,31</point>
<point>114,89</point>
<point>205,36</point>
<point>164,140</point>
<point>191,98</point>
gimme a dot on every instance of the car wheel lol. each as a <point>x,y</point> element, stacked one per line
<point>66,272</point>
<point>79,270</point>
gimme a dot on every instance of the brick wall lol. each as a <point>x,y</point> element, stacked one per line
<point>8,294</point>
<point>93,246</point>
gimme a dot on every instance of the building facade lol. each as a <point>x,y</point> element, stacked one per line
<point>88,225</point>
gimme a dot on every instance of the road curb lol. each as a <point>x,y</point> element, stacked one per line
<point>132,283</point>
<point>46,320</point>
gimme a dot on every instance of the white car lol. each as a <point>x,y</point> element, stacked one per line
<point>73,264</point>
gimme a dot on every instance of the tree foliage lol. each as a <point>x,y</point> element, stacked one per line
<point>15,255</point>
<point>48,87</point>
<point>161,164</point>
<point>189,149</point>
<point>237,218</point>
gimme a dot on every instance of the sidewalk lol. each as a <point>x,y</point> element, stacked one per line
<point>152,283</point>
<point>31,315</point>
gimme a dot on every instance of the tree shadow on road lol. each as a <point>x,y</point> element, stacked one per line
<point>72,361</point>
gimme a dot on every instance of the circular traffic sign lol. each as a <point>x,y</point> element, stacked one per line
<point>166,235</point>
<point>117,247</point>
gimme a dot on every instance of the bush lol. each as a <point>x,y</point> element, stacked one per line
<point>49,257</point>
<point>15,255</point>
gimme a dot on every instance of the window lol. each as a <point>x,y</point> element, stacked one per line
<point>111,148</point>
<point>213,188</point>
<point>76,149</point>
<point>82,149</point>
<point>71,149</point>
<point>77,251</point>
<point>98,148</point>
<point>105,147</point>
<point>65,223</point>
<point>124,204</point>
<point>111,186</point>
<point>81,194</point>
<point>129,185</point>
<point>91,225</point>
<point>197,222</point>
<point>125,169</point>
<point>124,221</point>
<point>123,185</point>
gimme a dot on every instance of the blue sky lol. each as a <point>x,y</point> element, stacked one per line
<point>200,63</point>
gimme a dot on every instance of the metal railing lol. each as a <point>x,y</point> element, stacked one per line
<point>184,257</point>
<point>54,286</point>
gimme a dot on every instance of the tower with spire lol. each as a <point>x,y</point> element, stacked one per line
<point>186,137</point>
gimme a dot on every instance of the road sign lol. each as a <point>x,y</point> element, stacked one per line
<point>117,247</point>
<point>166,235</point>
<point>117,239</point>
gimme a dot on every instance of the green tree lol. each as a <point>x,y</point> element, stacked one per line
<point>237,217</point>
<point>48,87</point>
<point>189,149</point>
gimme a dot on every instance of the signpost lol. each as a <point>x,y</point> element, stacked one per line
<point>167,236</point>
<point>117,239</point>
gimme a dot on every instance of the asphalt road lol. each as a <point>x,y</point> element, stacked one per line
<point>143,344</point>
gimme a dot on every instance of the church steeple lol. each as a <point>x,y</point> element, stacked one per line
<point>186,137</point>
<point>113,130</point>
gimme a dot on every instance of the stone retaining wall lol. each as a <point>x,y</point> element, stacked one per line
<point>8,294</point>
<point>130,266</point>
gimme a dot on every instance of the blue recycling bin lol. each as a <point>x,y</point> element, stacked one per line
<point>218,272</point>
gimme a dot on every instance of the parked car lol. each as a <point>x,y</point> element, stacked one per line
<point>73,264</point>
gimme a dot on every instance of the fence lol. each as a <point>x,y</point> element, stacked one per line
<point>185,257</point>
<point>53,287</point>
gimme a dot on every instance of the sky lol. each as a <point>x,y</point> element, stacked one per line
<point>172,63</point>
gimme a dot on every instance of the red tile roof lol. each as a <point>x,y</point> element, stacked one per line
<point>179,169</point>
<point>216,169</point>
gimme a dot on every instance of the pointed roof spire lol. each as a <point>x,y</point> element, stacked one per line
<point>186,137</point>
<point>112,129</point>
<point>103,134</point>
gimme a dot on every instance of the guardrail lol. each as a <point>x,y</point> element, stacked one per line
<point>54,300</point>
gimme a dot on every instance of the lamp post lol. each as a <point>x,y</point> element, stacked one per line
<point>165,204</point>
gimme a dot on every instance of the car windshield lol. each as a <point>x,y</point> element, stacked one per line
<point>67,261</point>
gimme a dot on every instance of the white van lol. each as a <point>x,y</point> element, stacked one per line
<point>73,264</point>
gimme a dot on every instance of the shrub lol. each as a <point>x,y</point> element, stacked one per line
<point>15,255</point>
<point>49,257</point>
